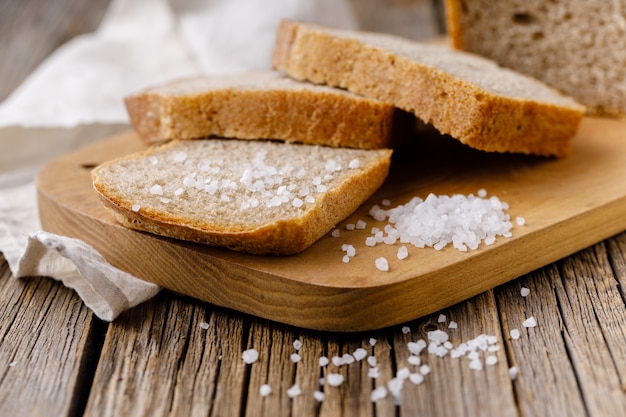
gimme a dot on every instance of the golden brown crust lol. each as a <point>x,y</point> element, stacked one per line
<point>453,105</point>
<point>311,116</point>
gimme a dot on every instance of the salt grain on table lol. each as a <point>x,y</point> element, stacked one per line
<point>250,356</point>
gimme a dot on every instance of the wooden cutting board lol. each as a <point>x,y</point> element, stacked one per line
<point>568,204</point>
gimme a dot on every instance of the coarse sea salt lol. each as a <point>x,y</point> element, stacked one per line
<point>463,221</point>
<point>334,380</point>
<point>250,356</point>
<point>530,322</point>
<point>265,390</point>
<point>294,391</point>
<point>524,292</point>
<point>382,264</point>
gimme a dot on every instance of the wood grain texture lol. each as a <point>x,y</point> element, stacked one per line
<point>314,289</point>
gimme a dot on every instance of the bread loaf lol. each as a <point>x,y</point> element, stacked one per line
<point>260,197</point>
<point>466,96</point>
<point>264,104</point>
<point>576,46</point>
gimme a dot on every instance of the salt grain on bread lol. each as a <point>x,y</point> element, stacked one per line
<point>576,46</point>
<point>267,105</point>
<point>466,96</point>
<point>260,197</point>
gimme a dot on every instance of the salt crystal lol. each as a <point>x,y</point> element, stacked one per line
<point>372,341</point>
<point>250,356</point>
<point>424,369</point>
<point>525,291</point>
<point>12,364</point>
<point>395,388</point>
<point>156,189</point>
<point>350,226</point>
<point>513,373</point>
<point>476,364</point>
<point>297,344</point>
<point>265,390</point>
<point>349,249</point>
<point>438,336</point>
<point>403,373</point>
<point>386,202</point>
<point>204,325</point>
<point>354,164</point>
<point>491,360</point>
<point>153,160</point>
<point>180,156</point>
<point>441,318</point>
<point>515,334</point>
<point>530,322</point>
<point>403,252</point>
<point>378,394</point>
<point>323,361</point>
<point>164,200</point>
<point>361,225</point>
<point>482,193</point>
<point>372,373</point>
<point>359,354</point>
<point>336,233</point>
<point>414,360</point>
<point>382,264</point>
<point>135,207</point>
<point>345,259</point>
<point>319,396</point>
<point>294,391</point>
<point>297,203</point>
<point>416,378</point>
<point>337,361</point>
<point>295,358</point>
<point>334,380</point>
<point>416,347</point>
<point>347,358</point>
<point>406,329</point>
<point>179,192</point>
<point>370,241</point>
<point>371,360</point>
<point>520,221</point>
<point>452,325</point>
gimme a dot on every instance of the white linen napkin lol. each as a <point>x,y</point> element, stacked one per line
<point>139,43</point>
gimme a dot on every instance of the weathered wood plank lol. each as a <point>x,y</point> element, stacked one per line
<point>546,384</point>
<point>48,343</point>
<point>157,360</point>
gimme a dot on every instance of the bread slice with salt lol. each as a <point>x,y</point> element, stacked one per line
<point>260,197</point>
<point>264,104</point>
<point>466,96</point>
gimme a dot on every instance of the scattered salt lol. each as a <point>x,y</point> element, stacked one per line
<point>294,391</point>
<point>378,394</point>
<point>265,390</point>
<point>491,360</point>
<point>441,318</point>
<point>373,372</point>
<point>334,380</point>
<point>250,356</point>
<point>153,160</point>
<point>386,202</point>
<point>416,378</point>
<point>180,156</point>
<point>452,325</point>
<point>361,225</point>
<point>406,330</point>
<point>403,252</point>
<point>354,164</point>
<point>359,354</point>
<point>530,322</point>
<point>372,341</point>
<point>345,259</point>
<point>424,369</point>
<point>350,226</point>
<point>371,360</point>
<point>297,203</point>
<point>349,249</point>
<point>382,264</point>
<point>295,358</point>
<point>319,396</point>
<point>336,233</point>
<point>204,325</point>
<point>135,207</point>
<point>513,373</point>
<point>323,361</point>
<point>476,364</point>
<point>515,334</point>
<point>524,291</point>
<point>482,193</point>
<point>156,189</point>
<point>414,360</point>
<point>403,373</point>
<point>520,221</point>
<point>297,344</point>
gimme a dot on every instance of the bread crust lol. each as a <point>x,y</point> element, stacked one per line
<point>277,108</point>
<point>455,106</point>
<point>282,236</point>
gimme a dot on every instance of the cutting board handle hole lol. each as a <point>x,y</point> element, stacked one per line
<point>89,165</point>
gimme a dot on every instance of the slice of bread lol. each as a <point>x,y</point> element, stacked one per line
<point>260,197</point>
<point>466,96</point>
<point>578,47</point>
<point>267,105</point>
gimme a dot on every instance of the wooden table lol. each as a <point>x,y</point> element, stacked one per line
<point>178,356</point>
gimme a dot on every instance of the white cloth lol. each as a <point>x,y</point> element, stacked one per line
<point>139,43</point>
